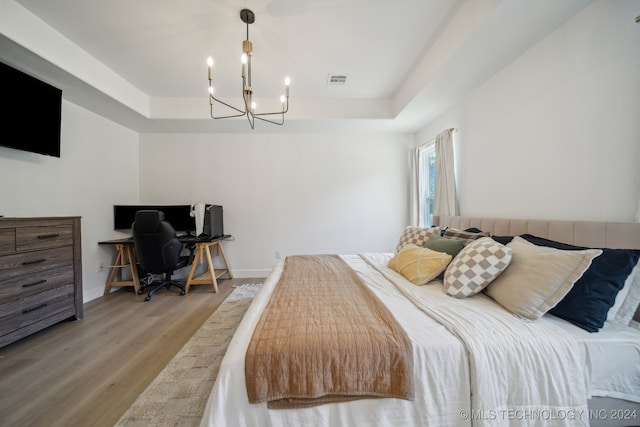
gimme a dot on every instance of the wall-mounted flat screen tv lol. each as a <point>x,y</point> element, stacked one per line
<point>30,113</point>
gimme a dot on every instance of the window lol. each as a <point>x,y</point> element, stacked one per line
<point>432,180</point>
<point>426,184</point>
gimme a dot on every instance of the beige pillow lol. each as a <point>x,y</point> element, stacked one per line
<point>416,236</point>
<point>419,265</point>
<point>538,277</point>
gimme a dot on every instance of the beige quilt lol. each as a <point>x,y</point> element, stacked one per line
<point>325,337</point>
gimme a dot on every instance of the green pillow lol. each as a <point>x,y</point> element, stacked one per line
<point>442,244</point>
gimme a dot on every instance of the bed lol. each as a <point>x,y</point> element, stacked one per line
<point>476,359</point>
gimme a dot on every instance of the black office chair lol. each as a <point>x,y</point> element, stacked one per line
<point>158,250</point>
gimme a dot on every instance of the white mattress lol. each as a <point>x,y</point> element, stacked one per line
<point>446,371</point>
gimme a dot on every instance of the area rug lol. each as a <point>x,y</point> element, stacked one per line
<point>179,394</point>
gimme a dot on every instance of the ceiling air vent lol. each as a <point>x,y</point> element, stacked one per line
<point>337,79</point>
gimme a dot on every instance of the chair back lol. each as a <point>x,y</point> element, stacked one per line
<point>156,244</point>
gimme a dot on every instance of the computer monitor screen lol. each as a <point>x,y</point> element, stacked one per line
<point>179,216</point>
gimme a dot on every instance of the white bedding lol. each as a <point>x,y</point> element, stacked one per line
<point>611,358</point>
<point>442,388</point>
<point>535,364</point>
<point>467,353</point>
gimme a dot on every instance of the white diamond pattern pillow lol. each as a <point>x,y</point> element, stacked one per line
<point>475,266</point>
<point>416,236</point>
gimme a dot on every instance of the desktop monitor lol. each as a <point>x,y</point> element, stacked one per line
<point>179,216</point>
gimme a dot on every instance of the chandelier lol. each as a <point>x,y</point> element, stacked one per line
<point>249,109</point>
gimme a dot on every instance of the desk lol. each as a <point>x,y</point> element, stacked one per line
<point>125,261</point>
<point>210,276</point>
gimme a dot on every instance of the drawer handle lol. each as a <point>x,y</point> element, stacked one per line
<point>48,236</point>
<point>38,307</point>
<point>39,282</point>
<point>35,261</point>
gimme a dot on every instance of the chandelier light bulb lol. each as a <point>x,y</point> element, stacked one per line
<point>253,105</point>
<point>282,99</point>
<point>211,90</point>
<point>210,66</point>
<point>243,58</point>
<point>287,82</point>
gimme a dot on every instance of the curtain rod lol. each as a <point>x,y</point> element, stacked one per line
<point>434,138</point>
<point>424,144</point>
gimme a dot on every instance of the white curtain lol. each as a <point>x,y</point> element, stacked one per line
<point>414,186</point>
<point>445,197</point>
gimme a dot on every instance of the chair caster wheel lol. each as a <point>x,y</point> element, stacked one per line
<point>183,292</point>
<point>140,292</point>
<point>147,298</point>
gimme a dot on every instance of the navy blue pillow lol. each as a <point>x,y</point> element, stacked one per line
<point>473,230</point>
<point>502,239</point>
<point>589,300</point>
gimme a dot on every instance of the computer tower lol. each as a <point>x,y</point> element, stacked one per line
<point>213,225</point>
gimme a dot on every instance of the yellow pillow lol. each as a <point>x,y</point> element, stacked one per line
<point>419,265</point>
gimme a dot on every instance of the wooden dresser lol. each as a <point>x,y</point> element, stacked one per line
<point>40,274</point>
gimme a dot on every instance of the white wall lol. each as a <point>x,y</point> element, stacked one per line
<point>294,193</point>
<point>98,167</point>
<point>556,134</point>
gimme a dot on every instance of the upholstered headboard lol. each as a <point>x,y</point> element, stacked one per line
<point>615,235</point>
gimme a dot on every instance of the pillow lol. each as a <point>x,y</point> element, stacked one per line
<point>588,302</point>
<point>538,277</point>
<point>416,236</point>
<point>627,300</point>
<point>465,236</point>
<point>473,230</point>
<point>475,266</point>
<point>502,239</point>
<point>443,244</point>
<point>419,265</point>
<point>614,311</point>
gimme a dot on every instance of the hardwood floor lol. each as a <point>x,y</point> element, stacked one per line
<point>88,372</point>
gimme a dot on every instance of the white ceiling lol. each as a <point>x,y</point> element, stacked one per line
<point>407,61</point>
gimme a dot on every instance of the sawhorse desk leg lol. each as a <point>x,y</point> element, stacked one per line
<point>124,258</point>
<point>209,277</point>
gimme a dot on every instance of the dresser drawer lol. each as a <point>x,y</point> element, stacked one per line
<point>43,237</point>
<point>32,272</point>
<point>7,241</point>
<point>36,308</point>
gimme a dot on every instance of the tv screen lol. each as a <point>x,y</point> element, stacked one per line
<point>179,216</point>
<point>30,113</point>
